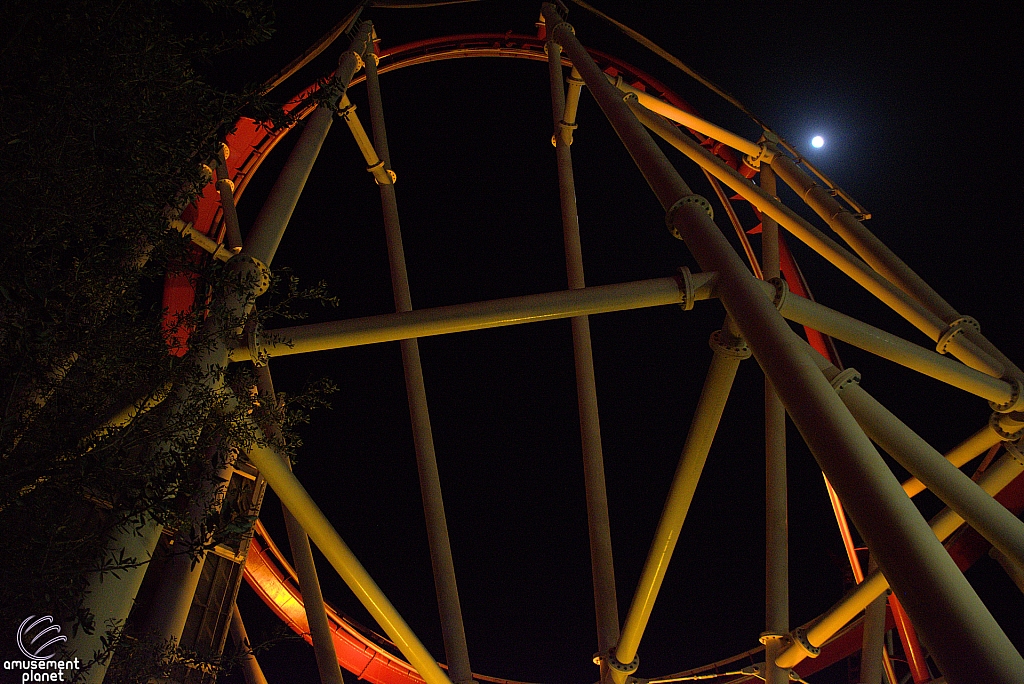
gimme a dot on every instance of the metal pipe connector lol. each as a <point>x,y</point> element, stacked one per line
<point>1006,426</point>
<point>682,202</point>
<point>1016,400</point>
<point>251,267</point>
<point>609,658</point>
<point>955,328</point>
<point>723,342</point>
<point>765,155</point>
<point>217,250</point>
<point>845,378</point>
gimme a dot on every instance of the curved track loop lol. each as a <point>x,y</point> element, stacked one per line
<point>251,142</point>
<point>362,652</point>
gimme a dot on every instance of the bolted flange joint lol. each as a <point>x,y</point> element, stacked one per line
<point>955,328</point>
<point>765,154</point>
<point>682,202</point>
<point>685,288</point>
<point>562,24</point>
<point>799,637</point>
<point>724,343</point>
<point>1016,400</point>
<point>781,292</point>
<point>1006,427</point>
<point>345,111</point>
<point>847,377</point>
<point>257,352</point>
<point>382,175</point>
<point>765,637</point>
<point>613,662</point>
<point>250,267</point>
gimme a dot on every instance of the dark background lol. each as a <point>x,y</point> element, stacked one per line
<point>918,111</point>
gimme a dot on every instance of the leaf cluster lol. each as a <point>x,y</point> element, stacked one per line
<point>106,115</point>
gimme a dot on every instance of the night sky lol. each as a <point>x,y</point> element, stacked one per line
<point>920,127</point>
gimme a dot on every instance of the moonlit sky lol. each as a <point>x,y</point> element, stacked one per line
<point>927,154</point>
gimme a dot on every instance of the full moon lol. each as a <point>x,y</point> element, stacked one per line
<point>818,141</point>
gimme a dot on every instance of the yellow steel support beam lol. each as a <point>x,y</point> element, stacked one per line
<point>293,495</point>
<point>805,641</point>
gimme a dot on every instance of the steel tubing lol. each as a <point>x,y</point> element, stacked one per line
<point>234,303</point>
<point>865,243</point>
<point>251,670</point>
<point>877,255</point>
<point>996,478</point>
<point>563,112</point>
<point>111,596</point>
<point>986,515</point>
<point>452,628</point>
<point>848,263</point>
<point>478,315</point>
<point>263,239</point>
<point>981,441</point>
<point>294,496</point>
<point>960,632</point>
<point>776,497</point>
<point>691,121</point>
<point>302,558</point>
<point>873,641</point>
<point>888,346</point>
<point>232,232</point>
<point>724,363</point>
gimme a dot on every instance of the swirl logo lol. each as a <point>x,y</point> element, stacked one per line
<point>33,641</point>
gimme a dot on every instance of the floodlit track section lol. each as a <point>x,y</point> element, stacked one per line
<point>359,650</point>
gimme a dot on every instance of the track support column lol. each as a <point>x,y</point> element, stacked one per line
<point>250,666</point>
<point>776,497</point>
<point>563,110</point>
<point>728,352</point>
<point>453,630</point>
<point>302,556</point>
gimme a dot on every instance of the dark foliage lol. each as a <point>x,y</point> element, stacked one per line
<point>105,119</point>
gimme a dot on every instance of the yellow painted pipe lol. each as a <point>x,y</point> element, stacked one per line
<point>479,315</point>
<point>294,496</point>
<point>881,343</point>
<point>877,255</point>
<point>673,113</point>
<point>996,478</point>
<point>726,360</point>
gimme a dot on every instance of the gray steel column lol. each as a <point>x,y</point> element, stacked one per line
<point>873,639</point>
<point>453,630</point>
<point>601,560</point>
<point>986,515</point>
<point>302,556</point>
<point>111,595</point>
<point>776,498</point>
<point>250,666</point>
<point>262,241</point>
<point>958,629</point>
